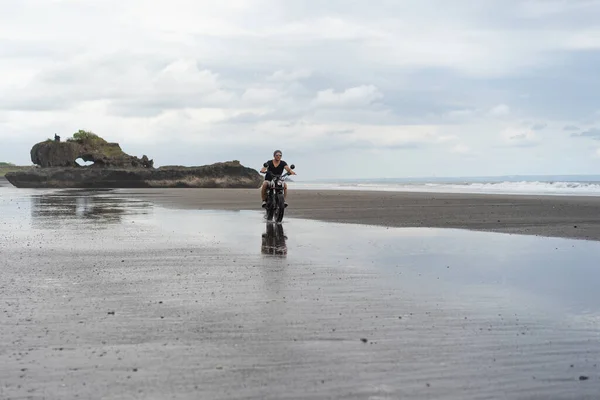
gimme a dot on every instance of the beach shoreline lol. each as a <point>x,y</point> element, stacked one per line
<point>564,216</point>
<point>575,217</point>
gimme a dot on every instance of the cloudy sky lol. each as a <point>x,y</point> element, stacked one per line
<point>345,88</point>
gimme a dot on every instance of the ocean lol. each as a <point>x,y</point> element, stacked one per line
<point>573,185</point>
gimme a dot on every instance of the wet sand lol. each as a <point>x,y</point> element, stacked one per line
<point>110,296</point>
<point>553,216</point>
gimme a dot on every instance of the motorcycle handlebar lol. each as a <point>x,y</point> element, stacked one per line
<point>285,174</point>
<point>281,176</point>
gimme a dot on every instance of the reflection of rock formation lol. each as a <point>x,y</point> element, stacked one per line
<point>50,210</point>
<point>273,241</point>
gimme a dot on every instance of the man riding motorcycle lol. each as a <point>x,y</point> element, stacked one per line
<point>274,167</point>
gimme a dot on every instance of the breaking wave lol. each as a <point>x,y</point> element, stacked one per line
<point>505,187</point>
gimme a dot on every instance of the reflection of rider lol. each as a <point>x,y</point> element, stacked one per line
<point>274,167</point>
<point>273,242</point>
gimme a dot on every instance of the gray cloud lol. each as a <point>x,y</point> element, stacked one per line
<point>591,133</point>
<point>571,128</point>
<point>539,126</point>
<point>521,138</point>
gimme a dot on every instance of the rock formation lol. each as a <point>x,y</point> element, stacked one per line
<point>88,147</point>
<point>113,168</point>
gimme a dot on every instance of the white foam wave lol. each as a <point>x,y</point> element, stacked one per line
<point>523,187</point>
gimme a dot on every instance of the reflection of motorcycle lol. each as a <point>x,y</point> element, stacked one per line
<point>275,206</point>
<point>273,241</point>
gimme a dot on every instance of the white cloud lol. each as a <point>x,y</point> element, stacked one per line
<point>584,40</point>
<point>460,114</point>
<point>289,76</point>
<point>500,110</point>
<point>359,96</point>
<point>261,95</point>
<point>460,149</point>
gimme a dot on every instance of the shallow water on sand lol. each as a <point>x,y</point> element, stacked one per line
<point>444,313</point>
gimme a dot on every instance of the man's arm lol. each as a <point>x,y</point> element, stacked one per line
<point>289,170</point>
<point>264,169</point>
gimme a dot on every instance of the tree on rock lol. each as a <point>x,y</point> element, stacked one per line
<point>82,136</point>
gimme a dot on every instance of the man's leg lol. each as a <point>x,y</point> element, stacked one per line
<point>263,191</point>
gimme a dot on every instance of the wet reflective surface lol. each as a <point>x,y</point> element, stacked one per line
<point>274,240</point>
<point>219,304</point>
<point>87,207</point>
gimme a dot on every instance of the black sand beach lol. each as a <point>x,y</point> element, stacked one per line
<point>555,216</point>
<point>575,217</point>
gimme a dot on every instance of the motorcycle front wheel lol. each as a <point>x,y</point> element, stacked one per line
<point>279,207</point>
<point>269,208</point>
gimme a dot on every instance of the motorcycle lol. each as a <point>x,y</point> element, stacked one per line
<point>275,203</point>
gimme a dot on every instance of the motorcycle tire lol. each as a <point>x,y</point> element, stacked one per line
<point>279,207</point>
<point>269,209</point>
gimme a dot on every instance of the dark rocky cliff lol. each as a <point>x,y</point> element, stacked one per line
<point>220,175</point>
